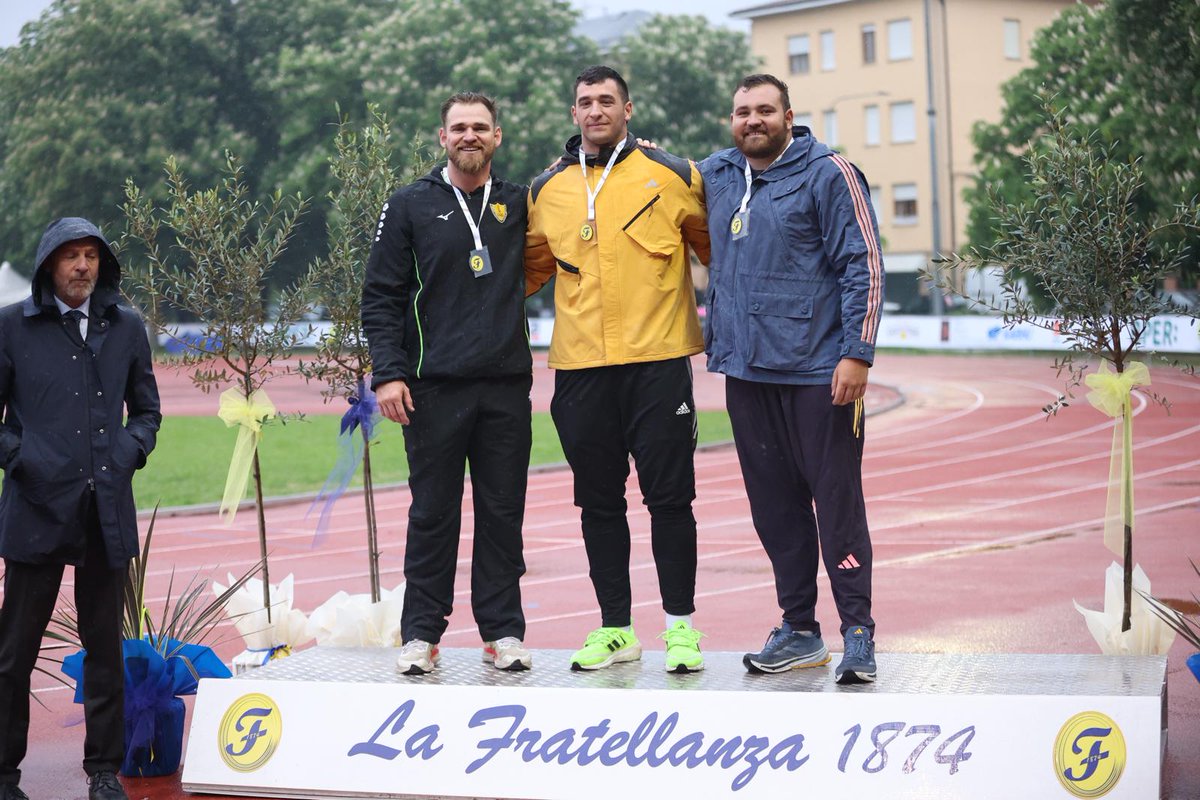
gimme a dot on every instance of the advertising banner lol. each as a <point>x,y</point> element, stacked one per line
<point>308,739</point>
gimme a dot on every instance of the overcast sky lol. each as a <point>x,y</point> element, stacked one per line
<point>16,13</point>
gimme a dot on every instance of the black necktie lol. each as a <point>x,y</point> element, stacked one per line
<point>74,317</point>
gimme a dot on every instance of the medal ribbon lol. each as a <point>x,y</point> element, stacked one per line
<point>462,203</point>
<point>750,178</point>
<point>592,194</point>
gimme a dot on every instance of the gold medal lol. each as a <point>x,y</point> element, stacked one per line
<point>586,232</point>
<point>477,263</point>
<point>736,226</point>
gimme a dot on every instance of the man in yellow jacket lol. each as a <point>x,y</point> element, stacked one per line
<point>614,222</point>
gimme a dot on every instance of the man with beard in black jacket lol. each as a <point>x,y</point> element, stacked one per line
<point>73,363</point>
<point>444,314</point>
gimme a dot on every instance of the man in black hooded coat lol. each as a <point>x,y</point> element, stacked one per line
<point>73,363</point>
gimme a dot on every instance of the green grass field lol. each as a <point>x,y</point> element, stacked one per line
<point>192,457</point>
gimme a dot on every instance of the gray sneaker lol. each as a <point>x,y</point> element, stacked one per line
<point>787,649</point>
<point>858,660</point>
<point>507,653</point>
<point>417,657</point>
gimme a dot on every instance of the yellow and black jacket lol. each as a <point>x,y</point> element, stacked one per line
<point>624,288</point>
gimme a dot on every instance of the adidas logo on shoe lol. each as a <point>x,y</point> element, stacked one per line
<point>849,562</point>
<point>683,409</point>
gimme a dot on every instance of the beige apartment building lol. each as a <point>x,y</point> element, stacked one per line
<point>859,74</point>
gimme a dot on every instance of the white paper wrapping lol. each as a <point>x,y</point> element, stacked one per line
<point>352,620</point>
<point>288,627</point>
<point>1147,635</point>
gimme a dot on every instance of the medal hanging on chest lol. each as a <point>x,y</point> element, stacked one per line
<point>587,231</point>
<point>479,262</point>
<point>739,226</point>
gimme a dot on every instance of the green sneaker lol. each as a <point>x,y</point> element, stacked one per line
<point>683,648</point>
<point>605,647</point>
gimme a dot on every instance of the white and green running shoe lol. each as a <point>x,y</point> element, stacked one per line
<point>683,648</point>
<point>605,647</point>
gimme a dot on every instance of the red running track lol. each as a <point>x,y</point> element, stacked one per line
<point>985,518</point>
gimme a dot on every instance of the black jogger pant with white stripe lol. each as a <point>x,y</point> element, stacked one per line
<point>798,450</point>
<point>604,415</point>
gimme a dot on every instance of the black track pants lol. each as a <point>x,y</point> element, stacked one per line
<point>604,415</point>
<point>484,423</point>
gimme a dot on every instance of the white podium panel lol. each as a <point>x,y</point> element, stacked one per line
<point>331,722</point>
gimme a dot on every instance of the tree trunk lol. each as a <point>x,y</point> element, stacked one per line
<point>262,535</point>
<point>372,528</point>
<point>1127,508</point>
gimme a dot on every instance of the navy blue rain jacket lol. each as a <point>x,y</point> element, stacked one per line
<point>65,434</point>
<point>804,289</point>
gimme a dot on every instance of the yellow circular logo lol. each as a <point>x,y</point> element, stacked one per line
<point>477,263</point>
<point>736,226</point>
<point>586,232</point>
<point>1089,754</point>
<point>249,732</point>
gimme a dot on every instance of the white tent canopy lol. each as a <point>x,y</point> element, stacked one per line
<point>14,287</point>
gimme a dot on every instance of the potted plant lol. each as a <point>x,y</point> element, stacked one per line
<point>1186,625</point>
<point>164,660</point>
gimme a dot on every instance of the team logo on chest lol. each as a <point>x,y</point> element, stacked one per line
<point>499,211</point>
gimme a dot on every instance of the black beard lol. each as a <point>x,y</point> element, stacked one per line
<point>772,146</point>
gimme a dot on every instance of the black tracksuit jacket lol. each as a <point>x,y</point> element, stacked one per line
<point>424,312</point>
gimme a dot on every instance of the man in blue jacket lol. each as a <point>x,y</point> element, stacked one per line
<point>81,413</point>
<point>795,291</point>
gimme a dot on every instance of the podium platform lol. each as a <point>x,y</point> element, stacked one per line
<point>333,722</point>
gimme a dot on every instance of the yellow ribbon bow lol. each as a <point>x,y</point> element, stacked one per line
<point>1110,395</point>
<point>247,413</point>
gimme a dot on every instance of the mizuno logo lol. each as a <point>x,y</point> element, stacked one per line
<point>446,216</point>
<point>683,409</point>
<point>849,562</point>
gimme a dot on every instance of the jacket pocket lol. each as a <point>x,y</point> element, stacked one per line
<point>42,465</point>
<point>778,334</point>
<point>653,230</point>
<point>126,453</point>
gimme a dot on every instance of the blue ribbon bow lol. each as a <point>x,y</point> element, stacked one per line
<point>364,412</point>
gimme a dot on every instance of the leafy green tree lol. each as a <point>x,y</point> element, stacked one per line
<point>1082,241</point>
<point>681,73</point>
<point>1127,71</point>
<point>224,247</point>
<point>426,50</point>
<point>1158,42</point>
<point>101,90</point>
<point>362,168</point>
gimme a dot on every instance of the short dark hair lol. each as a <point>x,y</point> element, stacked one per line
<point>761,79</point>
<point>467,99</point>
<point>599,74</point>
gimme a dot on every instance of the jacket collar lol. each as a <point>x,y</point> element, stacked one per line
<point>572,151</point>
<point>434,176</point>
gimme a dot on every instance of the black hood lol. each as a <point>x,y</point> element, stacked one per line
<point>68,229</point>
